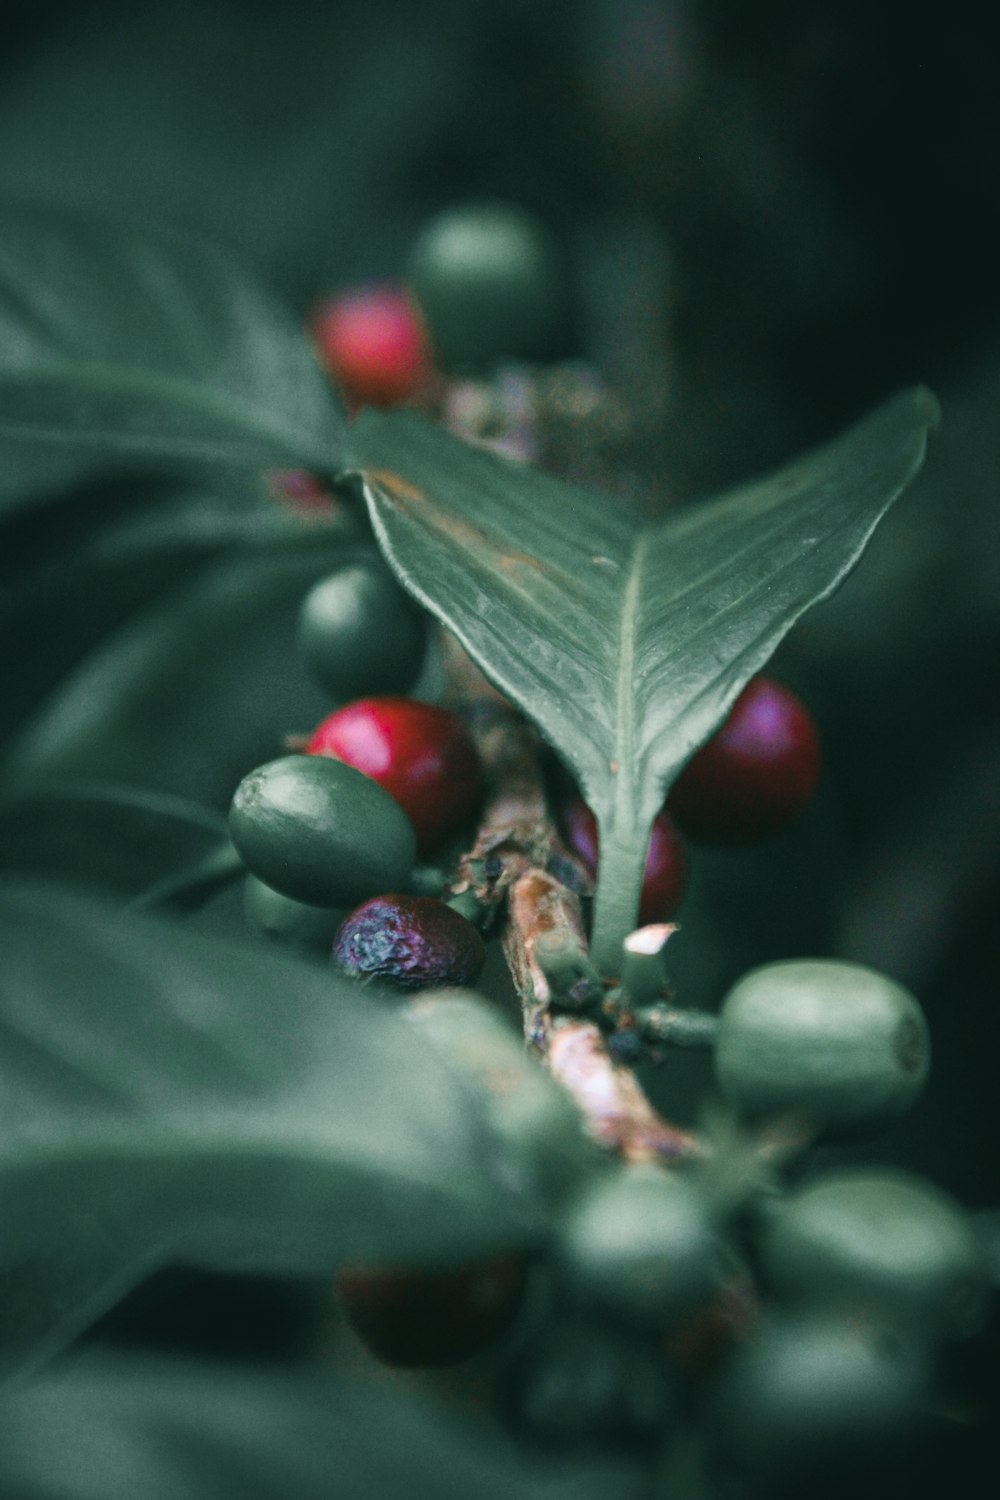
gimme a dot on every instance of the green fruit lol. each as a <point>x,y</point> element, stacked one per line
<point>360,634</point>
<point>884,1240</point>
<point>320,832</point>
<point>835,1044</point>
<point>294,922</point>
<point>640,1244</point>
<point>491,285</point>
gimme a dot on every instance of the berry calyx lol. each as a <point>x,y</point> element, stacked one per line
<point>358,630</point>
<point>422,755</point>
<point>412,942</point>
<point>426,1318</point>
<point>664,880</point>
<point>755,773</point>
<point>372,341</point>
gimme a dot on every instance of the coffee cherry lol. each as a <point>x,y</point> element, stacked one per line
<point>358,632</point>
<point>491,285</point>
<point>412,942</point>
<point>320,832</point>
<point>311,928</point>
<point>665,877</point>
<point>883,1240</point>
<point>754,774</point>
<point>423,756</point>
<point>641,1246</point>
<point>372,341</point>
<point>837,1044</point>
<point>426,1318</point>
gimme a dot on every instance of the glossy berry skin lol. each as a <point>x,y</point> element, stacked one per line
<point>426,1318</point>
<point>665,878</point>
<point>411,942</point>
<point>372,341</point>
<point>359,632</point>
<point>755,774</point>
<point>423,756</point>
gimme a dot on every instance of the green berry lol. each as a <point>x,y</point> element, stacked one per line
<point>640,1245</point>
<point>320,832</point>
<point>836,1044</point>
<point>491,285</point>
<point>296,923</point>
<point>359,633</point>
<point>880,1239</point>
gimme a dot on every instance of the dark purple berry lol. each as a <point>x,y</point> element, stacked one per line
<point>414,942</point>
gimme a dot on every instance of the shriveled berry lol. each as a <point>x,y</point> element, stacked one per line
<point>372,341</point>
<point>422,755</point>
<point>426,1318</point>
<point>755,773</point>
<point>837,1044</point>
<point>491,284</point>
<point>413,942</point>
<point>358,632</point>
<point>665,878</point>
<point>319,831</point>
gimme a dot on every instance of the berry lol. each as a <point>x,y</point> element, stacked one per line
<point>880,1239</point>
<point>410,941</point>
<point>423,756</point>
<point>297,923</point>
<point>754,774</point>
<point>665,878</point>
<point>836,1044</point>
<point>421,1318</point>
<point>491,284</point>
<point>372,341</point>
<point>358,631</point>
<point>319,831</point>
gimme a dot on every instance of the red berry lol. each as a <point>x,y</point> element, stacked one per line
<point>418,1318</point>
<point>372,341</point>
<point>755,773</point>
<point>665,877</point>
<point>412,942</point>
<point>421,755</point>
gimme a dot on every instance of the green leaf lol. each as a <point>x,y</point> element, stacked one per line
<point>193,692</point>
<point>117,839</point>
<point>626,644</point>
<point>146,345</point>
<point>118,1428</point>
<point>166,1096</point>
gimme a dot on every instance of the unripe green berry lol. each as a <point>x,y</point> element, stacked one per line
<point>296,923</point>
<point>359,633</point>
<point>641,1246</point>
<point>320,832</point>
<point>884,1240</point>
<point>836,1044</point>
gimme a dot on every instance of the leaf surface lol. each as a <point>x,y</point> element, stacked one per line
<point>139,344</point>
<point>625,644</point>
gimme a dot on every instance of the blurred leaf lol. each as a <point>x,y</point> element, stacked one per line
<point>169,1096</point>
<point>625,644</point>
<point>115,839</point>
<point>142,344</point>
<point>193,692</point>
<point>118,1429</point>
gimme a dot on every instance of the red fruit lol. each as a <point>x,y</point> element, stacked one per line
<point>412,942</point>
<point>755,773</point>
<point>372,341</point>
<point>418,1318</point>
<point>421,755</point>
<point>665,877</point>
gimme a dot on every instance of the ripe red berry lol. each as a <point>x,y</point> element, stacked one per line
<point>755,773</point>
<point>410,941</point>
<point>665,877</point>
<point>423,756</point>
<point>372,341</point>
<point>415,1318</point>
